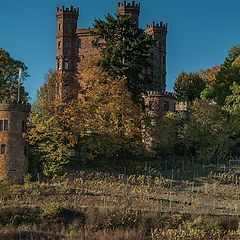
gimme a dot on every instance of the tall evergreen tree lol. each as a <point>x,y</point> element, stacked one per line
<point>125,51</point>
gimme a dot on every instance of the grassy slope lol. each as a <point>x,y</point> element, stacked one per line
<point>102,206</point>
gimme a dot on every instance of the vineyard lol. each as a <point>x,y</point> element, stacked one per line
<point>96,205</point>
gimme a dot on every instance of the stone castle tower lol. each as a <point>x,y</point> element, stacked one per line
<point>131,9</point>
<point>66,52</point>
<point>74,45</point>
<point>157,72</point>
<point>13,147</point>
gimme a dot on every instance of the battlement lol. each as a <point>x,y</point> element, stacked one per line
<point>183,106</point>
<point>160,94</point>
<point>131,5</point>
<point>15,106</point>
<point>156,27</point>
<point>71,10</point>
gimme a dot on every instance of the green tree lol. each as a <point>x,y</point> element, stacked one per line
<point>125,51</point>
<point>204,135</point>
<point>9,69</point>
<point>189,86</point>
<point>232,106</point>
<point>166,135</point>
<point>228,73</point>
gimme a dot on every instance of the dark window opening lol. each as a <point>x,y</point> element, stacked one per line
<point>66,64</point>
<point>23,127</point>
<point>79,43</point>
<point>5,125</point>
<point>1,125</point>
<point>59,27</point>
<point>164,60</point>
<point>166,106</point>
<point>3,149</point>
<point>58,64</point>
<point>65,87</point>
<point>59,45</point>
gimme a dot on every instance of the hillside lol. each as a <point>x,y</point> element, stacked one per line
<point>96,205</point>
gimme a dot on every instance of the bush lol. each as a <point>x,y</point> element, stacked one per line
<point>26,235</point>
<point>229,223</point>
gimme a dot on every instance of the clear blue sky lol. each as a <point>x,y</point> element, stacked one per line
<point>200,31</point>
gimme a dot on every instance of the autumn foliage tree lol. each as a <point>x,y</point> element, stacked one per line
<point>50,134</point>
<point>112,117</point>
<point>101,126</point>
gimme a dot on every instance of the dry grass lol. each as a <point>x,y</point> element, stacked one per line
<point>101,206</point>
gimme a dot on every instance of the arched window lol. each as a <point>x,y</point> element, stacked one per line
<point>65,87</point>
<point>59,27</point>
<point>1,125</point>
<point>5,125</point>
<point>3,149</point>
<point>66,63</point>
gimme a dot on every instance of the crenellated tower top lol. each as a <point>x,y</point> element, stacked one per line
<point>129,5</point>
<point>132,9</point>
<point>71,11</point>
<point>156,28</point>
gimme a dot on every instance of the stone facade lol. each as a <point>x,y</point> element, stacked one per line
<point>13,147</point>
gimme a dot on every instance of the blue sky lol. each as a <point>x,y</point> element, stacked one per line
<point>200,31</point>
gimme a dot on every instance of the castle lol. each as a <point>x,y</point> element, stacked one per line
<point>73,45</point>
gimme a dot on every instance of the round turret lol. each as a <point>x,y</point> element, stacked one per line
<point>13,147</point>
